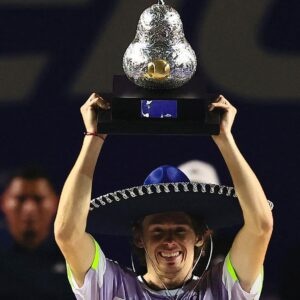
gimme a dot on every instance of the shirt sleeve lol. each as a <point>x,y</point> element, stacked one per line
<point>93,280</point>
<point>105,279</point>
<point>232,284</point>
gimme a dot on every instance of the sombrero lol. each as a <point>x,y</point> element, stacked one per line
<point>167,189</point>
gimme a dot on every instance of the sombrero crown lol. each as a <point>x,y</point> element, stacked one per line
<point>165,174</point>
<point>167,189</point>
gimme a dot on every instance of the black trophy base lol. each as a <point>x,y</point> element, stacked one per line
<point>166,127</point>
<point>188,109</point>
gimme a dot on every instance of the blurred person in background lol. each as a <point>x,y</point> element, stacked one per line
<point>31,265</point>
<point>200,171</point>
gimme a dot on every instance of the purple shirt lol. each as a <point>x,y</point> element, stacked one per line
<point>106,280</point>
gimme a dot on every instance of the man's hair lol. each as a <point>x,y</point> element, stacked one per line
<point>198,225</point>
<point>32,172</point>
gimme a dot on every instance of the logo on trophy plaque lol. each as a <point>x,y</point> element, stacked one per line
<point>158,93</point>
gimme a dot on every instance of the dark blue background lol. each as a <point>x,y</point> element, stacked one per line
<point>46,127</point>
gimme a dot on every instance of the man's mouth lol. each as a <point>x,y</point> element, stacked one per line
<point>170,254</point>
<point>29,222</point>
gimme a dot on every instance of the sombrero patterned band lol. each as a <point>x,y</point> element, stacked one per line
<point>215,202</point>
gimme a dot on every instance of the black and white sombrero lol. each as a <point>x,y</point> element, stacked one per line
<point>167,189</point>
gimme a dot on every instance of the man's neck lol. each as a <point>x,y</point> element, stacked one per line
<point>162,281</point>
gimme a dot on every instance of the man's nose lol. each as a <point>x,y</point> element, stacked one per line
<point>29,205</point>
<point>169,237</point>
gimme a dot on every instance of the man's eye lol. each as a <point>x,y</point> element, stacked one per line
<point>157,232</point>
<point>38,199</point>
<point>21,198</point>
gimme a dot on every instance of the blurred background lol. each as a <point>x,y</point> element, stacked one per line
<point>54,53</point>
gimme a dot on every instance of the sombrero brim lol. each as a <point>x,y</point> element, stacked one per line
<point>216,204</point>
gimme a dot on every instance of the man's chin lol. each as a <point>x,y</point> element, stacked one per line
<point>29,239</point>
<point>170,268</point>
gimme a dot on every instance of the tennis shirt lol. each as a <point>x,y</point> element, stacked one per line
<point>107,280</point>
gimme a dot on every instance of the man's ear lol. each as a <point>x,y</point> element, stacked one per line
<point>137,238</point>
<point>3,203</point>
<point>138,242</point>
<point>199,242</point>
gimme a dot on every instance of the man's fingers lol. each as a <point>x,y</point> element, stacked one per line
<point>219,105</point>
<point>220,102</point>
<point>92,97</point>
<point>96,100</point>
<point>102,103</point>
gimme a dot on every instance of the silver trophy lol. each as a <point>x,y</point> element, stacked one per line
<point>157,95</point>
<point>159,57</point>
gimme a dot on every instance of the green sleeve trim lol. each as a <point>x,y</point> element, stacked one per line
<point>262,281</point>
<point>70,276</point>
<point>233,274</point>
<point>230,268</point>
<point>94,266</point>
<point>96,260</point>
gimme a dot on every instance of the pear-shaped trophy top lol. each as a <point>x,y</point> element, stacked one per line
<point>159,57</point>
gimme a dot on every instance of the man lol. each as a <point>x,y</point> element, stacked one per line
<point>167,233</point>
<point>31,267</point>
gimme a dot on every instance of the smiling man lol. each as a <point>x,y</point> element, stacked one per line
<point>168,241</point>
<point>169,231</point>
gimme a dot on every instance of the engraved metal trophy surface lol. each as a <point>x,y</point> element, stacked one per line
<point>158,93</point>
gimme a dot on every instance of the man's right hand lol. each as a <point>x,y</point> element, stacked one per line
<point>89,111</point>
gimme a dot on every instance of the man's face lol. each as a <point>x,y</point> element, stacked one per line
<point>169,240</point>
<point>29,207</point>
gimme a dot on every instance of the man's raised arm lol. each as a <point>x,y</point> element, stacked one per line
<point>76,245</point>
<point>250,244</point>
